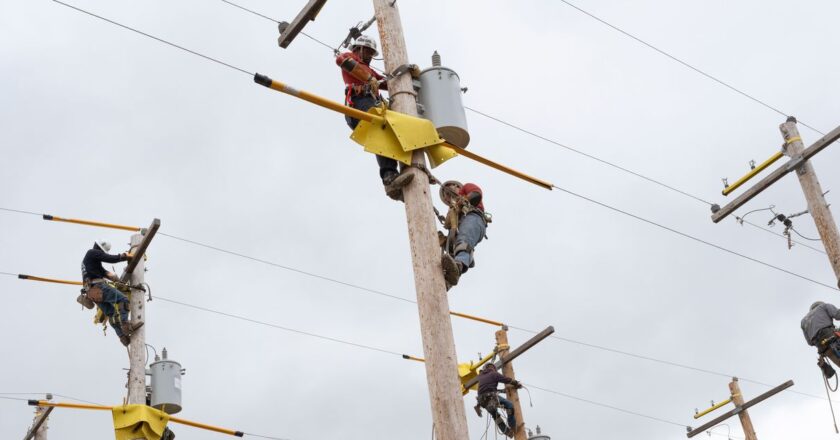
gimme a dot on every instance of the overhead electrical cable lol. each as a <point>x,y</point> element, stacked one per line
<point>685,64</point>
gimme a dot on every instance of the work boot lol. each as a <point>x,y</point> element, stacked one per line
<point>394,184</point>
<point>477,409</point>
<point>129,327</point>
<point>509,432</point>
<point>451,269</point>
<point>125,340</point>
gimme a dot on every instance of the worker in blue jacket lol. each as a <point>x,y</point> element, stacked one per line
<point>96,289</point>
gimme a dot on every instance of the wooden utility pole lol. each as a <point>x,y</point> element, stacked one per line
<point>512,393</point>
<point>814,195</point>
<point>137,348</point>
<point>799,162</point>
<point>38,431</point>
<point>740,409</point>
<point>738,401</point>
<point>448,412</point>
<point>135,275</point>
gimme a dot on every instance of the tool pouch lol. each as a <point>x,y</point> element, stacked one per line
<point>94,293</point>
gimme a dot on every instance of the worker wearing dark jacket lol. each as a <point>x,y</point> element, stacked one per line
<point>465,201</point>
<point>111,301</point>
<point>488,396</point>
<point>361,91</point>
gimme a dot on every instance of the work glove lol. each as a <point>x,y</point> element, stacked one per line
<point>128,255</point>
<point>516,384</point>
<point>374,86</point>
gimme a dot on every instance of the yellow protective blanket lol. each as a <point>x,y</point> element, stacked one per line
<point>138,421</point>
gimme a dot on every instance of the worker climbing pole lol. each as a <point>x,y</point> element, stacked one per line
<point>361,91</point>
<point>467,223</point>
<point>101,288</point>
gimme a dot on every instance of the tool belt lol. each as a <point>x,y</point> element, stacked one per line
<point>93,290</point>
<point>360,90</point>
<point>489,401</point>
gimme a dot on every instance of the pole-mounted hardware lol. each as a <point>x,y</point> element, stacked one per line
<point>288,32</point>
<point>739,409</point>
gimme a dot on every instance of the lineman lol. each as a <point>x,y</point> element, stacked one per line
<point>467,224</point>
<point>489,399</point>
<point>110,301</point>
<point>361,91</point>
<point>818,329</point>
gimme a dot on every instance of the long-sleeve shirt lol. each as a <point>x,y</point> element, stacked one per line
<point>818,318</point>
<point>489,380</point>
<point>92,263</point>
<point>350,80</point>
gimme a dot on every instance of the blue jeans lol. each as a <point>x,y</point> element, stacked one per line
<point>471,231</point>
<point>364,103</point>
<point>511,421</point>
<point>113,300</point>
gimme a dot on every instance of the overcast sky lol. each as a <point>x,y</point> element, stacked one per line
<point>97,122</point>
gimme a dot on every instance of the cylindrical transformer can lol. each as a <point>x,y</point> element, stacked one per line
<point>440,98</point>
<point>166,386</point>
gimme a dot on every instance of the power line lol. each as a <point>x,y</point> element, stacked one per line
<point>387,295</point>
<point>672,57</point>
<point>699,240</point>
<point>279,327</point>
<point>155,38</point>
<point>615,408</point>
<point>291,269</point>
<point>278,21</point>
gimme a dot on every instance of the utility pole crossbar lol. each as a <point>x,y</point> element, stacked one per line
<point>515,353</point>
<point>740,409</point>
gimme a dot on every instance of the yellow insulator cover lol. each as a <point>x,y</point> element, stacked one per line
<point>138,421</point>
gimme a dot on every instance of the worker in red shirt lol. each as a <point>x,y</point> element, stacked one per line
<point>467,224</point>
<point>361,91</point>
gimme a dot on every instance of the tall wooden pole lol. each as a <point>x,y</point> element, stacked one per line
<point>137,348</point>
<point>814,195</point>
<point>39,424</point>
<point>448,412</point>
<point>512,393</point>
<point>738,400</point>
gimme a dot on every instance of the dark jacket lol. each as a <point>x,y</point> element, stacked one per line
<point>489,380</point>
<point>92,263</point>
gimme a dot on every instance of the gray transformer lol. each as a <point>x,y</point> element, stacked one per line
<point>439,96</point>
<point>166,385</point>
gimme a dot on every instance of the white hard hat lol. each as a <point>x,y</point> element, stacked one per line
<point>104,245</point>
<point>365,41</point>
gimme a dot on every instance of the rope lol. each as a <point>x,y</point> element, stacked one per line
<point>831,405</point>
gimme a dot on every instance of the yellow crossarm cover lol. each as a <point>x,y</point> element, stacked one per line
<point>411,131</point>
<point>380,139</point>
<point>467,372</point>
<point>399,136</point>
<point>138,421</point>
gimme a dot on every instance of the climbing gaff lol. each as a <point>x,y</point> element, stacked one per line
<point>45,403</point>
<point>48,280</point>
<point>753,172</point>
<point>438,152</point>
<point>90,223</point>
<point>712,408</point>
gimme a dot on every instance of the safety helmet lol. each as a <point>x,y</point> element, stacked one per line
<point>445,196</point>
<point>365,41</point>
<point>104,245</point>
<point>816,304</point>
